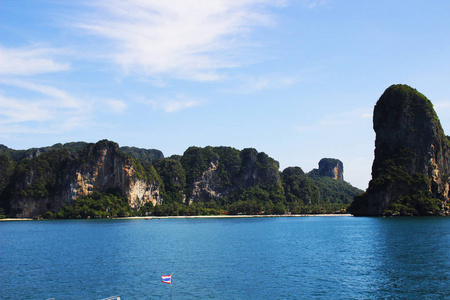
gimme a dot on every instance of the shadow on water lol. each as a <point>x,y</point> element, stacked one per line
<point>413,257</point>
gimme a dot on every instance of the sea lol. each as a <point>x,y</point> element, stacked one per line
<point>227,258</point>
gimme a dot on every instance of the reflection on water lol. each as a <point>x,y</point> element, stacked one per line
<point>414,257</point>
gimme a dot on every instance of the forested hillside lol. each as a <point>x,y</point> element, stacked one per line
<point>82,180</point>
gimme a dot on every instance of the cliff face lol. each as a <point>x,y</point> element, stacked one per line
<point>329,167</point>
<point>412,158</point>
<point>325,184</point>
<point>56,178</point>
<point>333,168</point>
<point>225,171</point>
<point>109,169</point>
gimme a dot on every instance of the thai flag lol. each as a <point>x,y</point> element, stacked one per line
<point>166,279</point>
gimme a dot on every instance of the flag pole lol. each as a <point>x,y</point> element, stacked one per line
<point>171,283</point>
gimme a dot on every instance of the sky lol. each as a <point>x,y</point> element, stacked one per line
<point>296,79</point>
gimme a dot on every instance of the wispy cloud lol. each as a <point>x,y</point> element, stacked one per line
<point>53,109</point>
<point>27,106</point>
<point>172,104</point>
<point>334,121</point>
<point>27,61</point>
<point>266,82</point>
<point>64,99</point>
<point>17,111</point>
<point>314,3</point>
<point>179,39</point>
<point>116,106</point>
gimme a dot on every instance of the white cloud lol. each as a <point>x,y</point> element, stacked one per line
<point>314,3</point>
<point>337,120</point>
<point>32,107</point>
<point>48,109</point>
<point>181,39</point>
<point>173,104</point>
<point>116,106</point>
<point>266,82</point>
<point>65,100</point>
<point>29,61</point>
<point>17,111</point>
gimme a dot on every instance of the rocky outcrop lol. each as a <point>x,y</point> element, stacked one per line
<point>215,173</point>
<point>329,167</point>
<point>321,185</point>
<point>56,178</point>
<point>410,172</point>
<point>110,169</point>
<point>333,168</point>
<point>203,188</point>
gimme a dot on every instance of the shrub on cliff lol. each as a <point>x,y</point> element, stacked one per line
<point>95,205</point>
<point>173,177</point>
<point>39,175</point>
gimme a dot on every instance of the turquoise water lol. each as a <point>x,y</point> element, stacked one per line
<point>254,258</point>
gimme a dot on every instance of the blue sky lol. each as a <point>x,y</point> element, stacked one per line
<point>294,79</point>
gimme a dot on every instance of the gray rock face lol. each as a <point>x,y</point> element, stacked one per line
<point>329,167</point>
<point>411,165</point>
<point>100,167</point>
<point>229,170</point>
<point>333,168</point>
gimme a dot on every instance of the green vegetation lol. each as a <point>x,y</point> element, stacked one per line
<point>414,195</point>
<point>195,161</point>
<point>416,203</point>
<point>17,155</point>
<point>7,167</point>
<point>95,205</point>
<point>147,155</point>
<point>312,193</point>
<point>238,182</point>
<point>174,179</point>
<point>42,172</point>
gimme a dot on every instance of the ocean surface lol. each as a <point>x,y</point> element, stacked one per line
<point>242,258</point>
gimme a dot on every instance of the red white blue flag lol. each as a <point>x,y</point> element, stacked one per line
<point>166,279</point>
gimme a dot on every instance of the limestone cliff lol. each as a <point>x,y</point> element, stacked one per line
<point>215,173</point>
<point>55,178</point>
<point>323,185</point>
<point>329,167</point>
<point>110,169</point>
<point>410,172</point>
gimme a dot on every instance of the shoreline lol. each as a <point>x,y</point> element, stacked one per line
<point>236,216</point>
<point>195,217</point>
